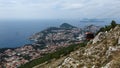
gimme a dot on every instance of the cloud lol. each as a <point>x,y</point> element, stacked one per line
<point>72,6</point>
<point>59,8</point>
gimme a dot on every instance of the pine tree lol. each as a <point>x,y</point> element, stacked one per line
<point>113,24</point>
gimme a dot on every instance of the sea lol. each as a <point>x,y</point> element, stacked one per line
<point>16,33</point>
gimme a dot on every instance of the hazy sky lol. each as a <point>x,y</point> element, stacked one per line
<point>59,9</point>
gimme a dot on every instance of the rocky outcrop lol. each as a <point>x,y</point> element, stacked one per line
<point>119,40</point>
<point>97,38</point>
<point>102,54</point>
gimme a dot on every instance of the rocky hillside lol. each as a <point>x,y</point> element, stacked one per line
<point>101,52</point>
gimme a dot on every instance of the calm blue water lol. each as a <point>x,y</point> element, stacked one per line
<point>15,33</point>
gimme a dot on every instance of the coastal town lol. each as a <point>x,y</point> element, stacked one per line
<point>46,41</point>
<point>15,58</point>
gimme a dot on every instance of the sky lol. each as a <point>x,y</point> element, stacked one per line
<point>59,9</point>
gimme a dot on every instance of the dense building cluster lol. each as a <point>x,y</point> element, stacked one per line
<point>15,58</point>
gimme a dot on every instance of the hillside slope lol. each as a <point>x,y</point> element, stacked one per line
<point>101,52</point>
<point>67,26</point>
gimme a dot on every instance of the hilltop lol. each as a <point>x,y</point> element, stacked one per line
<point>67,26</point>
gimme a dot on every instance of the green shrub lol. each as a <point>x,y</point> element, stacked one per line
<point>108,27</point>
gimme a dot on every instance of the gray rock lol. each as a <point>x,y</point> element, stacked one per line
<point>97,38</point>
<point>119,40</point>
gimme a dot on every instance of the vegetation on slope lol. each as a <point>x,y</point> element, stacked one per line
<point>61,52</point>
<point>108,27</point>
<point>67,26</point>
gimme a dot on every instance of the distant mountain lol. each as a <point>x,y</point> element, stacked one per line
<point>93,20</point>
<point>91,28</point>
<point>66,25</point>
